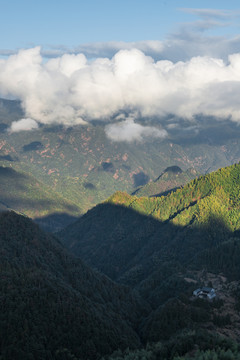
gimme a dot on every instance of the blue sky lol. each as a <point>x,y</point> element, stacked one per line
<point>73,61</point>
<point>70,23</point>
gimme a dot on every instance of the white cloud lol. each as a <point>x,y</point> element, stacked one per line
<point>72,90</point>
<point>23,125</point>
<point>106,49</point>
<point>128,130</point>
<point>212,13</point>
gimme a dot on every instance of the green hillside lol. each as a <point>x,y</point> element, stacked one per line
<point>186,221</point>
<point>189,346</point>
<point>165,248</point>
<point>25,194</point>
<point>171,179</point>
<point>55,307</point>
<point>162,248</point>
<point>86,167</point>
<point>215,195</point>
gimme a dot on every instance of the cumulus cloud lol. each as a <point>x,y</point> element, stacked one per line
<point>109,49</point>
<point>72,90</point>
<point>129,131</point>
<point>23,125</point>
<point>189,40</point>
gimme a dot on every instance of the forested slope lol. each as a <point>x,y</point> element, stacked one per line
<point>163,248</point>
<point>166,247</point>
<point>55,307</point>
<point>171,179</point>
<point>129,237</point>
<point>22,192</point>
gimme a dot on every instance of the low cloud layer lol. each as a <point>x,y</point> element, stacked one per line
<point>128,130</point>
<point>72,90</point>
<point>23,125</point>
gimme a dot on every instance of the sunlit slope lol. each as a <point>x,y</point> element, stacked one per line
<point>171,179</point>
<point>135,240</point>
<point>83,165</point>
<point>216,194</point>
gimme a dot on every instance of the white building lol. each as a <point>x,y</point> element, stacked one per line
<point>205,293</point>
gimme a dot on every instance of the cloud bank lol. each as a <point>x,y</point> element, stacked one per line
<point>23,125</point>
<point>72,90</point>
<point>128,130</point>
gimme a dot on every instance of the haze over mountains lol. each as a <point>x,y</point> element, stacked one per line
<point>82,167</point>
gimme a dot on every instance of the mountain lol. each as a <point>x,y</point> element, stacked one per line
<point>55,307</point>
<point>25,194</point>
<point>125,231</point>
<point>171,179</point>
<point>85,167</point>
<point>166,247</point>
<point>189,346</point>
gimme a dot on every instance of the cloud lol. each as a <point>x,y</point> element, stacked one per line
<point>23,125</point>
<point>210,18</point>
<point>72,90</point>
<point>129,131</point>
<point>103,49</point>
<point>212,13</point>
<point>109,49</point>
<point>7,52</point>
<point>195,38</point>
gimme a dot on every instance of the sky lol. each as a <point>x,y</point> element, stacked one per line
<point>72,23</point>
<point>143,67</point>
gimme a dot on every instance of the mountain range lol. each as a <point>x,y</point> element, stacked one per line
<point>165,247</point>
<point>116,279</point>
<point>148,254</point>
<point>84,167</point>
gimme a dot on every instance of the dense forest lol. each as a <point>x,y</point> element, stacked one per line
<point>155,252</point>
<point>165,247</point>
<point>129,238</point>
<point>51,303</point>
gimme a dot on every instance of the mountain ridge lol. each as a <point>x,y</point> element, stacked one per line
<point>85,167</point>
<point>53,303</point>
<point>172,228</point>
<point>172,178</point>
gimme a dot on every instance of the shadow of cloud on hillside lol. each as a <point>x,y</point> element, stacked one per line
<point>9,172</point>
<point>8,158</point>
<point>33,146</point>
<point>140,179</point>
<point>36,204</point>
<point>89,186</point>
<point>61,214</point>
<point>128,246</point>
<point>55,221</point>
<point>153,257</point>
<point>3,127</point>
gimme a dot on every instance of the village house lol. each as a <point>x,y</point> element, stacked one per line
<point>205,293</point>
